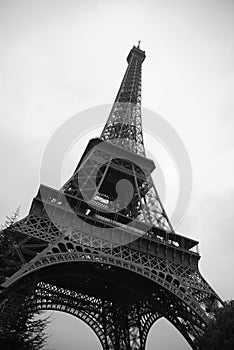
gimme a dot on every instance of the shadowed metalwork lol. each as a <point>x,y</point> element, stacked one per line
<point>102,248</point>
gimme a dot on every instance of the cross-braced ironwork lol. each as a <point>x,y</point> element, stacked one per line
<point>124,127</point>
<point>102,248</point>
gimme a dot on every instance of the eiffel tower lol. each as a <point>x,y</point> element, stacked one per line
<point>102,247</point>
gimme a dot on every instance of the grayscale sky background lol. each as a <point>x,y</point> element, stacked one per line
<point>59,57</point>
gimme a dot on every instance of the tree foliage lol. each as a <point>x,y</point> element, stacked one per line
<point>20,328</point>
<point>28,333</point>
<point>219,333</point>
<point>9,261</point>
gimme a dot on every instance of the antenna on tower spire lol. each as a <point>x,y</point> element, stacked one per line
<point>138,46</point>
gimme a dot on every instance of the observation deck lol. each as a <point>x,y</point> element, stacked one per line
<point>97,220</point>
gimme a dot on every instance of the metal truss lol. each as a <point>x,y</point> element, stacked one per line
<point>124,127</point>
<point>67,243</point>
<point>183,282</point>
<point>180,293</point>
<point>110,258</point>
<point>145,205</point>
<point>117,326</point>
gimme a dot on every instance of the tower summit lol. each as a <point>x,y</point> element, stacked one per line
<point>102,248</point>
<point>124,126</point>
<point>122,140</point>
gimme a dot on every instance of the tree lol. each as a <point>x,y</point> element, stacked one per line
<point>219,333</point>
<point>9,261</point>
<point>19,328</point>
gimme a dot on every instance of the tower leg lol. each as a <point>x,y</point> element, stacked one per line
<point>126,329</point>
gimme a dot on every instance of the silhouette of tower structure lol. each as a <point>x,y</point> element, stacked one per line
<point>102,248</point>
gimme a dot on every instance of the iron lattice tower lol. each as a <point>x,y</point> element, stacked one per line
<point>102,248</point>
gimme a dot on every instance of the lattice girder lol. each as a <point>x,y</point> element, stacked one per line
<point>98,239</point>
<point>124,126</point>
<point>192,290</point>
<point>117,327</point>
<point>66,245</point>
<point>97,179</point>
<point>186,283</point>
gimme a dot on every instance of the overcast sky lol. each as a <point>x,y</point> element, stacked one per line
<point>59,57</point>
